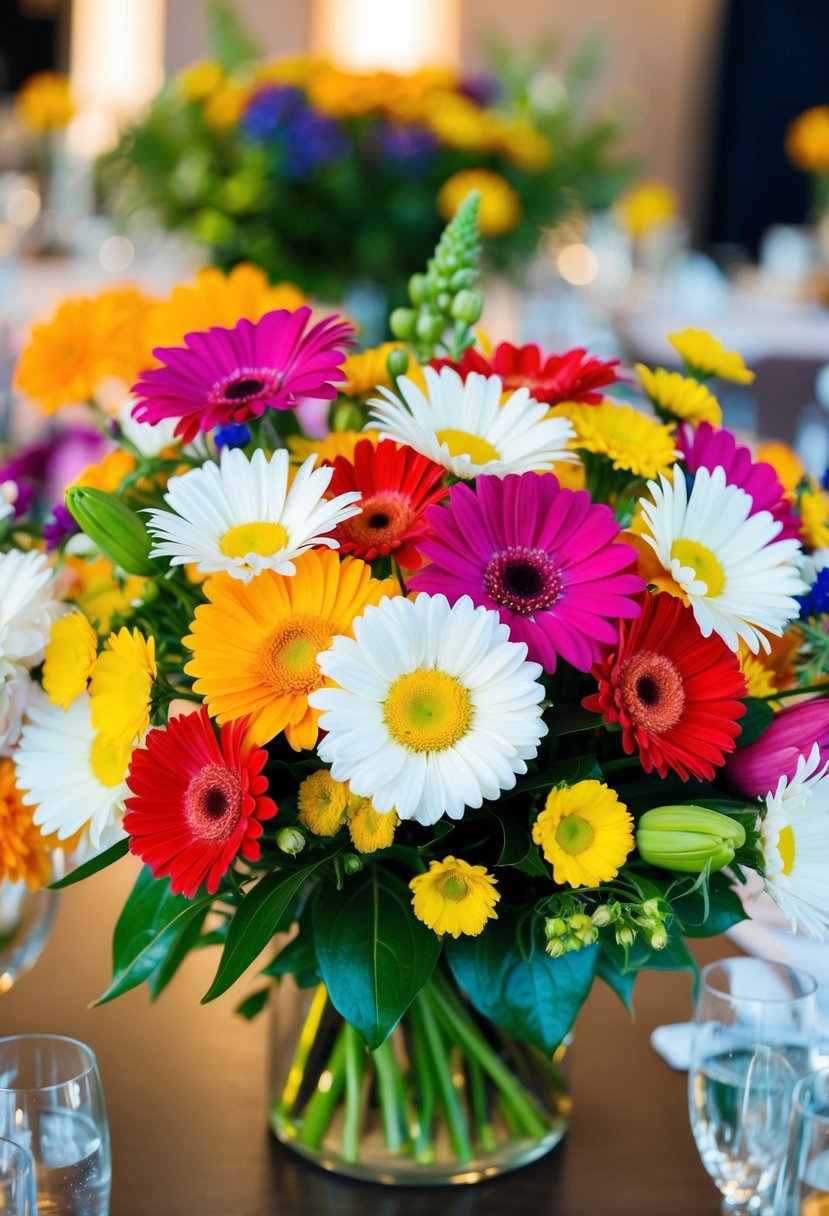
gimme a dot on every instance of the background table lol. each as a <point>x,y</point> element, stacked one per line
<point>186,1089</point>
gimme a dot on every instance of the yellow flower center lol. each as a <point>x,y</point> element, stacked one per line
<point>109,762</point>
<point>427,710</point>
<point>703,562</point>
<point>574,834</point>
<point>454,888</point>
<point>264,539</point>
<point>288,659</point>
<point>463,443</point>
<point>785,847</point>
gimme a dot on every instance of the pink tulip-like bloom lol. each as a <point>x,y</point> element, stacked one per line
<point>706,448</point>
<point>547,560</point>
<point>755,770</point>
<point>233,375</point>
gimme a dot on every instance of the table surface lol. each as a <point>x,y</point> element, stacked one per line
<point>186,1089</point>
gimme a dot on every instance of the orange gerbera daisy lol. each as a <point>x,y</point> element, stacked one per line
<point>216,298</point>
<point>88,340</point>
<point>24,851</point>
<point>255,645</point>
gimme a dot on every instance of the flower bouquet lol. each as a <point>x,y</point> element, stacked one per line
<point>446,714</point>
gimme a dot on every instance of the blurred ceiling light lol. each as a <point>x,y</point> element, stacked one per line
<point>116,254</point>
<point>22,207</point>
<point>395,35</point>
<point>577,264</point>
<point>116,66</point>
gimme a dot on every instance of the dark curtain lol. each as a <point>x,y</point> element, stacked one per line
<point>29,39</point>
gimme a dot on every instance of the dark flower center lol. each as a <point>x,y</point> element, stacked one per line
<point>378,519</point>
<point>523,580</point>
<point>652,691</point>
<point>245,385</point>
<point>248,386</point>
<point>213,802</point>
<point>382,524</point>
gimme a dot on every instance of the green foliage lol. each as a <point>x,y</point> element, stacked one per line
<point>757,717</point>
<point>231,44</point>
<point>94,865</point>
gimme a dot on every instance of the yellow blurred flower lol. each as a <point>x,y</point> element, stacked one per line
<point>109,472</point>
<point>44,102</point>
<point>369,829</point>
<point>294,70</point>
<point>500,207</point>
<point>121,687</point>
<point>367,370</point>
<point>629,440</point>
<point>225,105</point>
<point>647,205</point>
<point>813,504</point>
<point>785,462</point>
<point>523,145</point>
<point>24,851</point>
<point>199,80</point>
<point>454,897</point>
<point>705,356</point>
<point>585,833</point>
<point>338,443</point>
<point>69,658</point>
<point>570,474</point>
<point>807,140</point>
<point>459,123</point>
<point>679,397</point>
<point>98,591</point>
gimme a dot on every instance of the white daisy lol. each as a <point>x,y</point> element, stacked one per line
<point>27,609</point>
<point>794,839</point>
<point>240,516</point>
<point>14,695</point>
<point>465,426</point>
<point>738,579</point>
<point>151,438</point>
<point>72,778</point>
<point>436,708</point>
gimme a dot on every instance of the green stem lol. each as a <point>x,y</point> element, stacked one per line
<point>455,1118</point>
<point>299,1063</point>
<point>477,1101</point>
<point>389,1086</point>
<point>425,1088</point>
<point>795,692</point>
<point>355,1065</point>
<point>320,1108</point>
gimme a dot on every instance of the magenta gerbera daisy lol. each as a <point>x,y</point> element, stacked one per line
<point>706,447</point>
<point>548,561</point>
<point>231,375</point>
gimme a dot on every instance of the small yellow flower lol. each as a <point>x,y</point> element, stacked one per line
<point>367,370</point>
<point>785,462</point>
<point>24,850</point>
<point>500,206</point>
<point>807,140</point>
<point>225,105</point>
<point>704,356</point>
<point>454,897</point>
<point>323,803</point>
<point>814,518</point>
<point>121,687</point>
<point>199,80</point>
<point>629,439</point>
<point>760,679</point>
<point>459,123</point>
<point>369,829</point>
<point>44,102</point>
<point>647,205</point>
<point>98,591</point>
<point>109,472</point>
<point>675,396</point>
<point>337,443</point>
<point>69,658</point>
<point>293,70</point>
<point>585,833</point>
<point>524,146</point>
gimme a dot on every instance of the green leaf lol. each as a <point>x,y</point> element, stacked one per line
<point>374,956</point>
<point>517,843</point>
<point>757,717</point>
<point>259,916</point>
<point>621,982</point>
<point>575,768</point>
<point>299,956</point>
<point>253,1005</point>
<point>230,42</point>
<point>725,909</point>
<point>536,998</point>
<point>114,853</point>
<point>185,940</point>
<point>147,930</point>
<point>570,719</point>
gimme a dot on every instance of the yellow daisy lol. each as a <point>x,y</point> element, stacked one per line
<point>69,658</point>
<point>109,472</point>
<point>44,102</point>
<point>24,850</point>
<point>322,803</point>
<point>704,356</point>
<point>785,462</point>
<point>337,443</point>
<point>759,677</point>
<point>628,439</point>
<point>524,145</point>
<point>255,645</point>
<point>459,123</point>
<point>121,686</point>
<point>500,207</point>
<point>367,370</point>
<point>585,833</point>
<point>369,829</point>
<point>647,205</point>
<point>675,396</point>
<point>98,591</point>
<point>455,897</point>
<point>814,518</point>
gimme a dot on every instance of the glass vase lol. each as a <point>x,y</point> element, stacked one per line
<point>448,1098</point>
<point>25,923</point>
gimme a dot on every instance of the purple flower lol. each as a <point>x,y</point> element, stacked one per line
<point>269,109</point>
<point>404,147</point>
<point>816,603</point>
<point>755,770</point>
<point>484,88</point>
<point>59,528</point>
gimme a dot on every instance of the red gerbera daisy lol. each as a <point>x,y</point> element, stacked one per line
<point>675,693</point>
<point>197,801</point>
<point>397,484</point>
<point>572,376</point>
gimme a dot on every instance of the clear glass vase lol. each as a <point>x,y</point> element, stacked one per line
<point>448,1098</point>
<point>25,923</point>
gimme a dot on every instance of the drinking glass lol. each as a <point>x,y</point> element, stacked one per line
<point>17,1180</point>
<point>804,1181</point>
<point>755,1035</point>
<point>51,1103</point>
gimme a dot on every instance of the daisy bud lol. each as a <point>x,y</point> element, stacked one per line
<point>118,532</point>
<point>652,910</point>
<point>291,841</point>
<point>687,838</point>
<point>467,306</point>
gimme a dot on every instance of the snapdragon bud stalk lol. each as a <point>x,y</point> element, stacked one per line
<point>686,839</point>
<point>118,532</point>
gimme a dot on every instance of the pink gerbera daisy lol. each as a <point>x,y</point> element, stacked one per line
<point>706,448</point>
<point>548,561</point>
<point>230,375</point>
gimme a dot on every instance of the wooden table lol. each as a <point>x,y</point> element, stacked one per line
<point>186,1089</point>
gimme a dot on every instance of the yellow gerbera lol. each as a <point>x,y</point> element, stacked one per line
<point>585,833</point>
<point>630,440</point>
<point>216,298</point>
<point>337,443</point>
<point>24,850</point>
<point>44,102</point>
<point>98,591</point>
<point>322,803</point>
<point>69,658</point>
<point>455,897</point>
<point>369,829</point>
<point>704,356</point>
<point>646,205</point>
<point>814,518</point>
<point>255,645</point>
<point>121,686</point>
<point>785,462</point>
<point>675,396</point>
<point>367,370</point>
<point>807,140</point>
<point>86,341</point>
<point>500,207</point>
<point>109,472</point>
<point>759,677</point>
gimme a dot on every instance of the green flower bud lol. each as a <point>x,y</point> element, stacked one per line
<point>348,417</point>
<point>555,947</point>
<point>462,278</point>
<point>402,323</point>
<point>625,935</point>
<point>419,289</point>
<point>555,926</point>
<point>352,864</point>
<point>658,938</point>
<point>290,840</point>
<point>429,327</point>
<point>117,531</point>
<point>467,306</point>
<point>652,909</point>
<point>605,914</point>
<point>397,363</point>
<point>686,838</point>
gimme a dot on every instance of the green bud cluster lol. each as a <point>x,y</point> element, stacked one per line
<point>443,298</point>
<point>569,932</point>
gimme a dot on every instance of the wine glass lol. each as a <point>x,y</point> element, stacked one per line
<point>51,1103</point>
<point>25,922</point>
<point>755,1035</point>
<point>804,1181</point>
<point>17,1180</point>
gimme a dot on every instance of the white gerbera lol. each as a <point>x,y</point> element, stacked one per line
<point>72,777</point>
<point>240,516</point>
<point>436,708</point>
<point>467,427</point>
<point>738,579</point>
<point>27,609</point>
<point>794,839</point>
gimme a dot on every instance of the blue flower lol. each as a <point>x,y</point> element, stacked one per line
<point>304,140</point>
<point>269,110</point>
<point>405,148</point>
<point>824,481</point>
<point>816,603</point>
<point>234,435</point>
